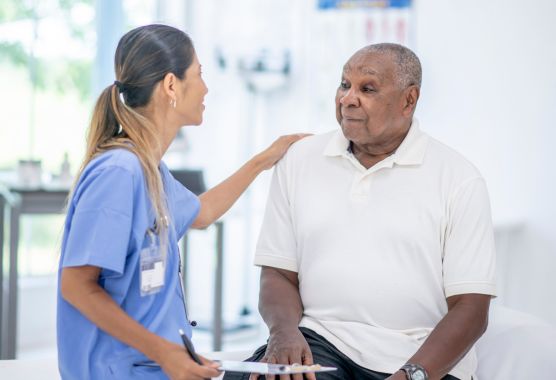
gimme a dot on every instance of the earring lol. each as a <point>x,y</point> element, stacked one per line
<point>173,103</point>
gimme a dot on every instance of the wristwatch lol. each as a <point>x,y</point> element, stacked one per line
<point>415,372</point>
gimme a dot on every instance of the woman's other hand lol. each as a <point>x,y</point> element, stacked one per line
<point>178,365</point>
<point>274,152</point>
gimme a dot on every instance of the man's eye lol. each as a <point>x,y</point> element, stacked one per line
<point>368,89</point>
<point>344,85</point>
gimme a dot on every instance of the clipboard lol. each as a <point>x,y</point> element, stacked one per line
<point>270,369</point>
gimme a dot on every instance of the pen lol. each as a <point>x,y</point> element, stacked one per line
<point>189,347</point>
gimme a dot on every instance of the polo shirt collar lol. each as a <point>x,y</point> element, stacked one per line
<point>410,152</point>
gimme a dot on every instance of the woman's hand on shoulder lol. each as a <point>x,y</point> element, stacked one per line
<point>278,148</point>
<point>178,365</point>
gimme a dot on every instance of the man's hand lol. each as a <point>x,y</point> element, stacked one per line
<point>281,308</point>
<point>288,347</point>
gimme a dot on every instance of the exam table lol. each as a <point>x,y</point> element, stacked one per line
<point>516,345</point>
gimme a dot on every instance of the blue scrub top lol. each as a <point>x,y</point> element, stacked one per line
<point>106,226</point>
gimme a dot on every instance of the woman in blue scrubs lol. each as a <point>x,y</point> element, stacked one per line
<point>120,300</point>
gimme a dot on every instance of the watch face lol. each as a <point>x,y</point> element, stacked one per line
<point>418,375</point>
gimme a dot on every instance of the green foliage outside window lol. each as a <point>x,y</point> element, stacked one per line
<point>74,74</point>
<point>46,98</point>
<point>46,79</point>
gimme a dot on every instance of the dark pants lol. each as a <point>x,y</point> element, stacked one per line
<point>325,354</point>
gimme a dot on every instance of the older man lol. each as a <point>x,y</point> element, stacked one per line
<point>377,248</point>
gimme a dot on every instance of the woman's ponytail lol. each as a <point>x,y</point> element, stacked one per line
<point>143,57</point>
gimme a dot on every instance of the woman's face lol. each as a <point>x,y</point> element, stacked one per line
<point>193,89</point>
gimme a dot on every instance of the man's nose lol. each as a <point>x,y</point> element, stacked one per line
<point>349,98</point>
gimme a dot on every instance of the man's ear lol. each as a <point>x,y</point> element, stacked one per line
<point>169,85</point>
<point>411,96</point>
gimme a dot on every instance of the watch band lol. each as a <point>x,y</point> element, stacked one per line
<point>415,372</point>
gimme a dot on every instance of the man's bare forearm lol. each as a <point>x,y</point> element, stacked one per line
<point>454,335</point>
<point>281,308</point>
<point>279,300</point>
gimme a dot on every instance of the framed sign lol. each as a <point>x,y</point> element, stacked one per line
<point>358,4</point>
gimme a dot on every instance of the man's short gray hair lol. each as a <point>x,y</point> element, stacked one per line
<point>408,66</point>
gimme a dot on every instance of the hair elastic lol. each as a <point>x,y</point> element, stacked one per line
<point>120,85</point>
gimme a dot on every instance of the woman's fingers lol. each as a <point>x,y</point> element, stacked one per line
<point>279,147</point>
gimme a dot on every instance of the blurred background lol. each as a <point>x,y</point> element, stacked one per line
<point>272,67</point>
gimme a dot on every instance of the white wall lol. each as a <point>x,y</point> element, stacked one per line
<point>489,91</point>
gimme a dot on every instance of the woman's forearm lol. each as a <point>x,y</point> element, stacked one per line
<point>81,290</point>
<point>216,201</point>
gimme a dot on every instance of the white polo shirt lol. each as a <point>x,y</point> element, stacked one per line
<point>379,250</point>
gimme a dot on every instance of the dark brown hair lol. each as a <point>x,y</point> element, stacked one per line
<point>143,58</point>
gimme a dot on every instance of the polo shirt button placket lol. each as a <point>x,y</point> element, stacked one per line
<point>360,186</point>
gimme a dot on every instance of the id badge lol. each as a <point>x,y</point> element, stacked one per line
<point>152,266</point>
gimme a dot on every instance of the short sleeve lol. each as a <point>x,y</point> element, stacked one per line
<point>276,246</point>
<point>185,206</point>
<point>100,229</point>
<point>469,252</point>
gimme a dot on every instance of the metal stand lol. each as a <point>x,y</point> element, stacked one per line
<point>20,201</point>
<point>218,279</point>
<point>9,204</point>
<point>217,310</point>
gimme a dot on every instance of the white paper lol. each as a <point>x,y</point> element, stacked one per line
<point>269,369</point>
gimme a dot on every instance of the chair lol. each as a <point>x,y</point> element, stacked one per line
<point>192,179</point>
